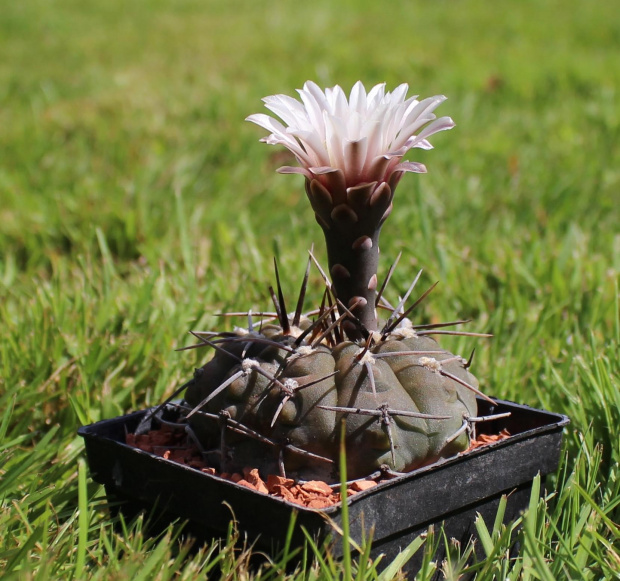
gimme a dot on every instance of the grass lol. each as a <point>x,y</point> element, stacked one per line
<point>135,202</point>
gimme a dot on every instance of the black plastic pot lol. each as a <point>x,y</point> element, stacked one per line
<point>450,493</point>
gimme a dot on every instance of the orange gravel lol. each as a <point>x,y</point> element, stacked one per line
<point>172,445</point>
<point>484,439</point>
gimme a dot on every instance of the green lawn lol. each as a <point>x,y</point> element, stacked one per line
<point>135,202</point>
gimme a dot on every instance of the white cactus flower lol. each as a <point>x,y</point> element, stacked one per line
<point>345,143</point>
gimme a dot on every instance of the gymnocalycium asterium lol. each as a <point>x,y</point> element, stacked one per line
<point>276,393</point>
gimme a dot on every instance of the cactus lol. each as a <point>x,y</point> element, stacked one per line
<point>275,401</point>
<point>276,397</point>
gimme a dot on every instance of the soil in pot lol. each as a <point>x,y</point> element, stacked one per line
<point>175,445</point>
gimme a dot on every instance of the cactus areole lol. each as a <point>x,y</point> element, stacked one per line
<point>277,394</point>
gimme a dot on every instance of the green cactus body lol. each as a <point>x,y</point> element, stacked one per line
<point>386,397</point>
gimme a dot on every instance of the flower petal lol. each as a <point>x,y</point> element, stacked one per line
<point>291,169</point>
<point>279,136</point>
<point>411,166</point>
<point>313,145</point>
<point>357,99</point>
<point>397,96</point>
<point>441,124</point>
<point>313,89</point>
<point>375,96</point>
<point>315,112</point>
<point>340,103</point>
<point>266,122</point>
<point>291,111</point>
<point>355,157</point>
<point>334,135</point>
<point>423,144</point>
<point>424,107</point>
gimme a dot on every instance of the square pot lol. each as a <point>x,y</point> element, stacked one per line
<point>449,492</point>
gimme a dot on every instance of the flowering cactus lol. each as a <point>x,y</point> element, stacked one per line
<point>350,153</point>
<point>275,396</point>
